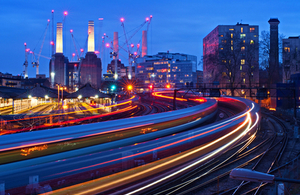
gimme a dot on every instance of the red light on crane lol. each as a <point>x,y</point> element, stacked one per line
<point>97,52</point>
<point>27,50</point>
<point>132,45</point>
<point>147,19</point>
<point>138,45</point>
<point>73,54</point>
<point>122,19</point>
<point>104,34</point>
<point>134,53</point>
<point>71,31</point>
<point>81,50</point>
<point>65,13</point>
<point>48,20</point>
<point>150,16</point>
<point>52,11</point>
<point>25,44</point>
<point>100,18</point>
<point>107,44</point>
<point>51,43</point>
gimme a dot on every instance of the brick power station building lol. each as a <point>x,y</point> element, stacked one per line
<point>78,73</point>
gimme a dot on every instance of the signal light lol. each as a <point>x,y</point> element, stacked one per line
<point>151,86</point>
<point>129,87</point>
<point>168,86</point>
<point>113,87</point>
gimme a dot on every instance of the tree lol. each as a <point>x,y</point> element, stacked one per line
<point>264,54</point>
<point>232,51</point>
<point>251,64</point>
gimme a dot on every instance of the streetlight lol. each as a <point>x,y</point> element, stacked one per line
<point>255,176</point>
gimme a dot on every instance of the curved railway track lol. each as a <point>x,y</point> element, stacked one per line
<point>262,153</point>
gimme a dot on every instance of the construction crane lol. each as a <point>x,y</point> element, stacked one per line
<point>37,59</point>
<point>26,61</point>
<point>131,56</point>
<point>52,74</point>
<point>76,51</point>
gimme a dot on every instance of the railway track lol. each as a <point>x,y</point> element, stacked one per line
<point>262,152</point>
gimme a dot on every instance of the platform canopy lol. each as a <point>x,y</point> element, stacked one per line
<point>87,91</point>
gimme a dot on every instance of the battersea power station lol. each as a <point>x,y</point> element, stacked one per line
<point>74,74</point>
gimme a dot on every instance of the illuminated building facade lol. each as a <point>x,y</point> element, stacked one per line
<point>290,57</point>
<point>164,68</point>
<point>231,56</point>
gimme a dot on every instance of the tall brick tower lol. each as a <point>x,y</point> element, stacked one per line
<point>274,59</point>
<point>59,73</point>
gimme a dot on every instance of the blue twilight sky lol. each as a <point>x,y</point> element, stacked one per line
<point>176,26</point>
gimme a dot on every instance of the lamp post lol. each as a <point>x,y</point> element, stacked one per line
<point>57,94</point>
<point>255,176</point>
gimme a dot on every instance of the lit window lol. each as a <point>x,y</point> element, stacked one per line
<point>244,41</point>
<point>242,48</point>
<point>242,36</point>
<point>242,61</point>
<point>141,71</point>
<point>255,35</point>
<point>147,81</point>
<point>231,42</point>
<point>224,41</point>
<point>224,74</point>
<point>242,30</point>
<point>251,42</point>
<point>224,61</point>
<point>244,80</point>
<point>221,48</point>
<point>230,74</point>
<point>231,47</point>
<point>241,67</point>
<point>231,29</point>
<point>221,36</point>
<point>252,29</point>
<point>287,49</point>
<point>231,35</point>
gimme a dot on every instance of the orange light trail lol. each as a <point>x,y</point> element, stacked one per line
<point>95,186</point>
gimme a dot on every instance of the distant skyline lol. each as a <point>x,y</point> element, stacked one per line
<point>176,26</point>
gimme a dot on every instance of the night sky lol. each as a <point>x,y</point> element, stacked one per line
<point>177,26</point>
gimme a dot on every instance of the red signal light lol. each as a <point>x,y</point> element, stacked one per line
<point>151,86</point>
<point>168,86</point>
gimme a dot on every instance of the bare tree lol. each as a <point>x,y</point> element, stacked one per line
<point>251,64</point>
<point>231,54</point>
<point>264,54</point>
<point>210,68</point>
